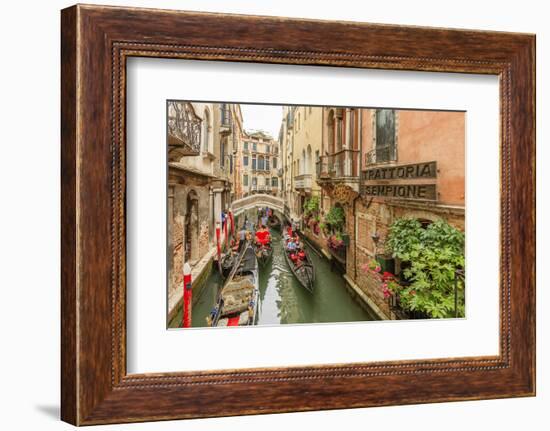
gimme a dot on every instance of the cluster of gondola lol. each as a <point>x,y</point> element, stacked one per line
<point>237,300</point>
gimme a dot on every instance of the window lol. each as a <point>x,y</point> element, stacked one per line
<point>261,163</point>
<point>267,148</point>
<point>254,163</point>
<point>274,182</point>
<point>206,132</point>
<point>245,180</point>
<point>245,145</point>
<point>226,114</point>
<point>222,152</point>
<point>385,135</point>
<point>254,181</point>
<point>267,164</point>
<point>274,162</point>
<point>254,146</point>
<point>245,160</point>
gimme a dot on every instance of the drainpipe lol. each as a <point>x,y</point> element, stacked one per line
<point>359,166</point>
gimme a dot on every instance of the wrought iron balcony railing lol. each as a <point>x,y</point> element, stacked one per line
<point>380,155</point>
<point>342,164</point>
<point>184,128</point>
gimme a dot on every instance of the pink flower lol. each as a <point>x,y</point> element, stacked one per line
<point>377,269</point>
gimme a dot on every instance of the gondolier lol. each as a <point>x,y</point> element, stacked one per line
<point>242,237</point>
<point>262,236</point>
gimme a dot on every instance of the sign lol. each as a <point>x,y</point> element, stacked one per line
<point>400,191</point>
<point>413,171</point>
<point>381,182</point>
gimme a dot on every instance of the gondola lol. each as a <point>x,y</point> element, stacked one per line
<point>304,271</point>
<point>227,262</point>
<point>237,303</point>
<point>274,223</point>
<point>263,253</point>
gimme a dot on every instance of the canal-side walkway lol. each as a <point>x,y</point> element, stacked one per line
<point>199,273</point>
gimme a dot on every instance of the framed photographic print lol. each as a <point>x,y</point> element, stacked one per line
<point>317,215</point>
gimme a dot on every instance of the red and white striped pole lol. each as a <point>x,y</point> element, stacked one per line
<point>187,295</point>
<point>218,245</point>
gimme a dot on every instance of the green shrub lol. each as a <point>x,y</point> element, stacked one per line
<point>435,254</point>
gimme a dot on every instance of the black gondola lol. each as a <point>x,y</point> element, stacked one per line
<point>304,270</point>
<point>274,222</point>
<point>227,262</point>
<point>264,253</point>
<point>237,303</point>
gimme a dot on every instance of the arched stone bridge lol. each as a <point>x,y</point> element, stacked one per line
<point>257,201</point>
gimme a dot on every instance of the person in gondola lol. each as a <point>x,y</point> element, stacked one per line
<point>242,237</point>
<point>262,236</point>
<point>291,246</point>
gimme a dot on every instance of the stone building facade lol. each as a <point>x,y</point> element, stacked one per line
<point>261,164</point>
<point>300,136</point>
<point>203,178</point>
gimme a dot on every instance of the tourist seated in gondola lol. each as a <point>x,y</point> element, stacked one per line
<point>297,257</point>
<point>289,231</point>
<point>291,246</point>
<point>262,236</point>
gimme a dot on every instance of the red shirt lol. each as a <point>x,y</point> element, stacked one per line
<point>262,237</point>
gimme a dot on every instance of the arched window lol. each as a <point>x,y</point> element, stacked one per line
<point>206,128</point>
<point>309,161</point>
<point>385,120</point>
<point>331,122</point>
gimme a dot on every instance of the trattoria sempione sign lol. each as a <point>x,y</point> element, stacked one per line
<point>370,179</point>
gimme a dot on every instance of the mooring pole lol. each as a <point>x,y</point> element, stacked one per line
<point>187,295</point>
<point>218,246</point>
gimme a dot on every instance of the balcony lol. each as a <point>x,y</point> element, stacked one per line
<point>342,167</point>
<point>380,155</point>
<point>344,164</point>
<point>303,182</point>
<point>321,167</point>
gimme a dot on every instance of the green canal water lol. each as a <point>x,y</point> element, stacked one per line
<point>284,300</point>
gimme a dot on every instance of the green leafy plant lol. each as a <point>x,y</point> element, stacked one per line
<point>336,218</point>
<point>311,206</point>
<point>434,255</point>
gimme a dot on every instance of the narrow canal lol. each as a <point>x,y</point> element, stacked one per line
<point>284,300</point>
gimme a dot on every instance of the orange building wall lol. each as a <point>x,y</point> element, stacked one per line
<point>424,136</point>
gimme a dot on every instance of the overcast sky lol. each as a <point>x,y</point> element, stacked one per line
<point>263,117</point>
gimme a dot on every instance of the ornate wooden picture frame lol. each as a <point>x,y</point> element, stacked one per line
<point>96,41</point>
